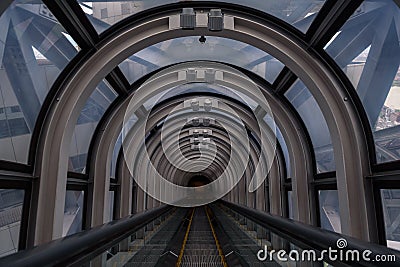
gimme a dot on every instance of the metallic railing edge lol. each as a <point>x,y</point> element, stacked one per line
<point>313,237</point>
<point>81,247</point>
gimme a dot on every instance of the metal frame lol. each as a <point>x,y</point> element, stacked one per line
<point>306,236</point>
<point>80,248</point>
<point>291,126</point>
<point>323,27</point>
<point>388,180</point>
<point>17,181</point>
<point>337,112</point>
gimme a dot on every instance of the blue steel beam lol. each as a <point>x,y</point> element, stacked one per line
<point>380,68</point>
<point>27,30</point>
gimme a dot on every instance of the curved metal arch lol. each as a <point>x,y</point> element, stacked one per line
<point>175,6</point>
<point>323,84</point>
<point>158,161</point>
<point>263,17</point>
<point>139,146</point>
<point>163,108</point>
<point>240,107</point>
<point>277,105</point>
<point>256,195</point>
<point>221,144</point>
<point>155,121</point>
<point>160,110</point>
<point>241,83</point>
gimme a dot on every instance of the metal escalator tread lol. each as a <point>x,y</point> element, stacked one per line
<point>149,254</point>
<point>200,249</point>
<point>245,245</point>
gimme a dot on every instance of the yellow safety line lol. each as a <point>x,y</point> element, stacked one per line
<point>221,254</point>
<point>178,263</point>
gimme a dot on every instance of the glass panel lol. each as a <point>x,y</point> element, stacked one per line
<point>299,13</point>
<point>200,88</point>
<point>117,148</point>
<point>190,49</point>
<point>110,212</point>
<point>104,14</point>
<point>309,111</point>
<point>367,49</point>
<point>73,212</point>
<point>391,214</point>
<point>282,143</point>
<point>290,204</point>
<point>143,247</point>
<point>11,204</point>
<point>329,210</point>
<point>90,116</point>
<point>34,48</point>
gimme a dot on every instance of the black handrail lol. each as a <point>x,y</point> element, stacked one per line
<point>82,247</point>
<point>310,237</point>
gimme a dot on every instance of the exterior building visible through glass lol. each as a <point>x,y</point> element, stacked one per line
<point>11,204</point>
<point>73,212</point>
<point>367,48</point>
<point>90,115</point>
<point>391,212</point>
<point>299,13</point>
<point>190,49</point>
<point>329,213</point>
<point>34,49</point>
<point>306,105</point>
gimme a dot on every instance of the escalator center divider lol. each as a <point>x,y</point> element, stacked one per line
<point>231,255</point>
<point>221,253</point>
<point>174,247</point>
<point>178,263</point>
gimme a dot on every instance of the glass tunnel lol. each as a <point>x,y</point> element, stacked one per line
<point>199,133</point>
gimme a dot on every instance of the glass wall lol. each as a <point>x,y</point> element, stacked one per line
<point>299,13</point>
<point>367,48</point>
<point>312,116</point>
<point>34,49</point>
<point>271,123</point>
<point>110,207</point>
<point>391,211</point>
<point>73,212</point>
<point>90,116</point>
<point>329,210</point>
<point>290,204</point>
<point>190,49</point>
<point>11,204</point>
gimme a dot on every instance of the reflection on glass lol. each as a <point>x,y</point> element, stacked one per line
<point>104,14</point>
<point>299,13</point>
<point>73,212</point>
<point>142,248</point>
<point>190,49</point>
<point>200,88</point>
<point>129,123</point>
<point>34,48</point>
<point>391,210</point>
<point>282,143</point>
<point>117,148</point>
<point>110,212</point>
<point>290,204</point>
<point>311,114</point>
<point>90,116</point>
<point>367,49</point>
<point>329,210</point>
<point>11,203</point>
